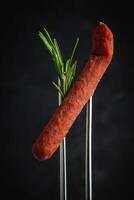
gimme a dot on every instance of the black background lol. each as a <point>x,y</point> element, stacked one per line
<point>28,100</point>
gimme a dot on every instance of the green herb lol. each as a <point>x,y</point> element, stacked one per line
<point>65,71</point>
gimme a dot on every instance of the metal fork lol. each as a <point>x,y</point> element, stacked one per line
<point>88,158</point>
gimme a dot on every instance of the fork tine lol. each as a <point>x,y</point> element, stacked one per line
<point>63,166</point>
<point>88,151</point>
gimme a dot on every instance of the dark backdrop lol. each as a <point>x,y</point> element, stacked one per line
<point>28,100</point>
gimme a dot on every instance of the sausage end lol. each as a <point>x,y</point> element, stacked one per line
<point>102,41</point>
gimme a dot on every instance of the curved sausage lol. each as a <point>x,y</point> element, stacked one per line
<point>65,115</point>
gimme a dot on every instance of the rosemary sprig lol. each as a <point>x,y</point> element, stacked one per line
<point>65,71</point>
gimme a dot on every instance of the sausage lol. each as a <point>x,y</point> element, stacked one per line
<point>65,115</point>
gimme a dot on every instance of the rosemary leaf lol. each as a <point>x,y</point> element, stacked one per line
<point>45,41</point>
<point>73,50</point>
<point>56,61</point>
<point>67,65</point>
<point>59,54</point>
<point>69,78</point>
<point>48,37</point>
<point>74,68</point>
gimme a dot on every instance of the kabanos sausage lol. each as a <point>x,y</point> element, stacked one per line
<point>65,115</point>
